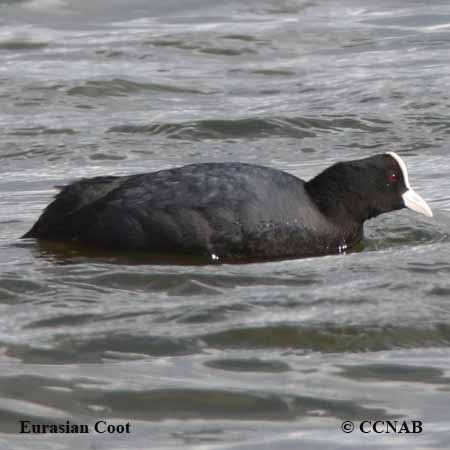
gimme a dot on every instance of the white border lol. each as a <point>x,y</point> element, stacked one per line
<point>403,168</point>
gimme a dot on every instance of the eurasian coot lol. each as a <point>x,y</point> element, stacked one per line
<point>230,211</point>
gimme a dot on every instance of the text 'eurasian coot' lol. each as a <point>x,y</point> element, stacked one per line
<point>230,211</point>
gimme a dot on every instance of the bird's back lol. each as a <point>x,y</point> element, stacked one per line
<point>229,209</point>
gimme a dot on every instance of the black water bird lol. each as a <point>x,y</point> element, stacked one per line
<point>230,211</point>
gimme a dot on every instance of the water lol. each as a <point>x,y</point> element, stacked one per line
<point>273,355</point>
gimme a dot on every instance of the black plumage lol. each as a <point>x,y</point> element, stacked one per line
<point>227,211</point>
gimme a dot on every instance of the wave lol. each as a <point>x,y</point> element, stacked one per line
<point>36,131</point>
<point>331,338</point>
<point>296,127</point>
<point>15,45</point>
<point>118,87</point>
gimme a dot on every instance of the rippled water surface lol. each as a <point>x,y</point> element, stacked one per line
<point>258,356</point>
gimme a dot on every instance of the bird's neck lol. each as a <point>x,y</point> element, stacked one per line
<point>343,205</point>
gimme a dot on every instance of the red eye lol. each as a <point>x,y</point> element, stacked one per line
<point>393,178</point>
